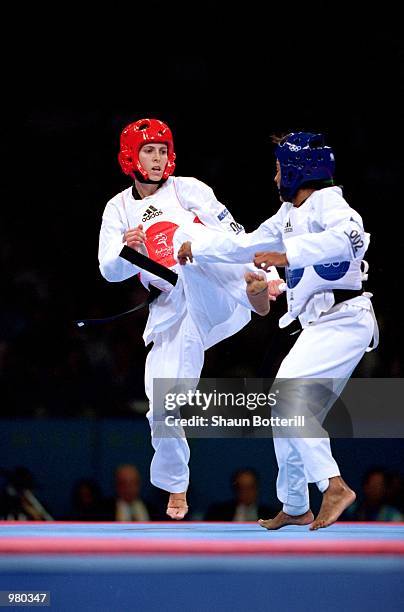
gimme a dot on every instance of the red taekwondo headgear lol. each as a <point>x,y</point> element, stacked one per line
<point>137,134</point>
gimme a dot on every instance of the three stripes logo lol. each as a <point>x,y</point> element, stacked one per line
<point>150,213</point>
<point>288,227</point>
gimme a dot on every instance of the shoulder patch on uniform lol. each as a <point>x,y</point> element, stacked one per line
<point>223,214</point>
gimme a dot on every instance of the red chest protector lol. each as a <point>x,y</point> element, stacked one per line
<point>159,242</point>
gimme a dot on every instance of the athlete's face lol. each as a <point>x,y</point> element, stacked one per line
<point>127,483</point>
<point>277,178</point>
<point>246,488</point>
<point>153,158</point>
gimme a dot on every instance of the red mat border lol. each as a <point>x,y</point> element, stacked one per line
<point>86,545</point>
<point>44,545</point>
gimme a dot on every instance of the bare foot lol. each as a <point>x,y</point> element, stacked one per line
<point>177,506</point>
<point>282,519</point>
<point>336,499</point>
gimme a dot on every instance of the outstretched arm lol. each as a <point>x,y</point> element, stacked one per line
<point>215,247</point>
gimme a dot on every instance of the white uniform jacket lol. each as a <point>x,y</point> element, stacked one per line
<point>181,209</point>
<point>324,242</point>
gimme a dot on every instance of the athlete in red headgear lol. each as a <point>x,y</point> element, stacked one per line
<point>134,137</point>
<point>155,215</point>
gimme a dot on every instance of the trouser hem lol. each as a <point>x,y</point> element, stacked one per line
<point>295,510</point>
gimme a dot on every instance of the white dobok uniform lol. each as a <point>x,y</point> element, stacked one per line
<point>324,241</point>
<point>208,304</point>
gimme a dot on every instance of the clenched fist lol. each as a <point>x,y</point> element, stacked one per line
<point>264,260</point>
<point>134,238</point>
<point>273,288</point>
<point>185,253</point>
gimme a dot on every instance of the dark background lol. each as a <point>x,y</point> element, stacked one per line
<point>59,144</point>
<point>62,114</point>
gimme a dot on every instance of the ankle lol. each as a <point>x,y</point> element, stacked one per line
<point>338,485</point>
<point>336,482</point>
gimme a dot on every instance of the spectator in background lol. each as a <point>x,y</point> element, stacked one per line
<point>87,501</point>
<point>374,506</point>
<point>127,505</point>
<point>395,491</point>
<point>245,506</point>
<point>17,500</point>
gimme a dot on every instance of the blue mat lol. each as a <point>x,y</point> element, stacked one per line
<point>161,583</point>
<point>198,531</point>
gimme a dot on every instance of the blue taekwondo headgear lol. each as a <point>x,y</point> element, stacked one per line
<point>303,158</point>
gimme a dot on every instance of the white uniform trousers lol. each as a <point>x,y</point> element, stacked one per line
<point>216,300</point>
<point>177,353</point>
<point>329,348</point>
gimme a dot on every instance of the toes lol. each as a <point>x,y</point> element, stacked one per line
<point>317,525</point>
<point>264,524</point>
<point>177,513</point>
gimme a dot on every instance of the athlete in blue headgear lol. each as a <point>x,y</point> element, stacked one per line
<point>305,161</point>
<point>320,241</point>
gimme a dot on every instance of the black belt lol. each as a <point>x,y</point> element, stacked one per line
<point>340,295</point>
<point>141,261</point>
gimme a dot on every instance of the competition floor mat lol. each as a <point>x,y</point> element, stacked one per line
<point>205,566</point>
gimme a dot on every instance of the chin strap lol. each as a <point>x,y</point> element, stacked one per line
<point>139,177</point>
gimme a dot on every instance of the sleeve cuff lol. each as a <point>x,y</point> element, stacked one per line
<point>272,274</point>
